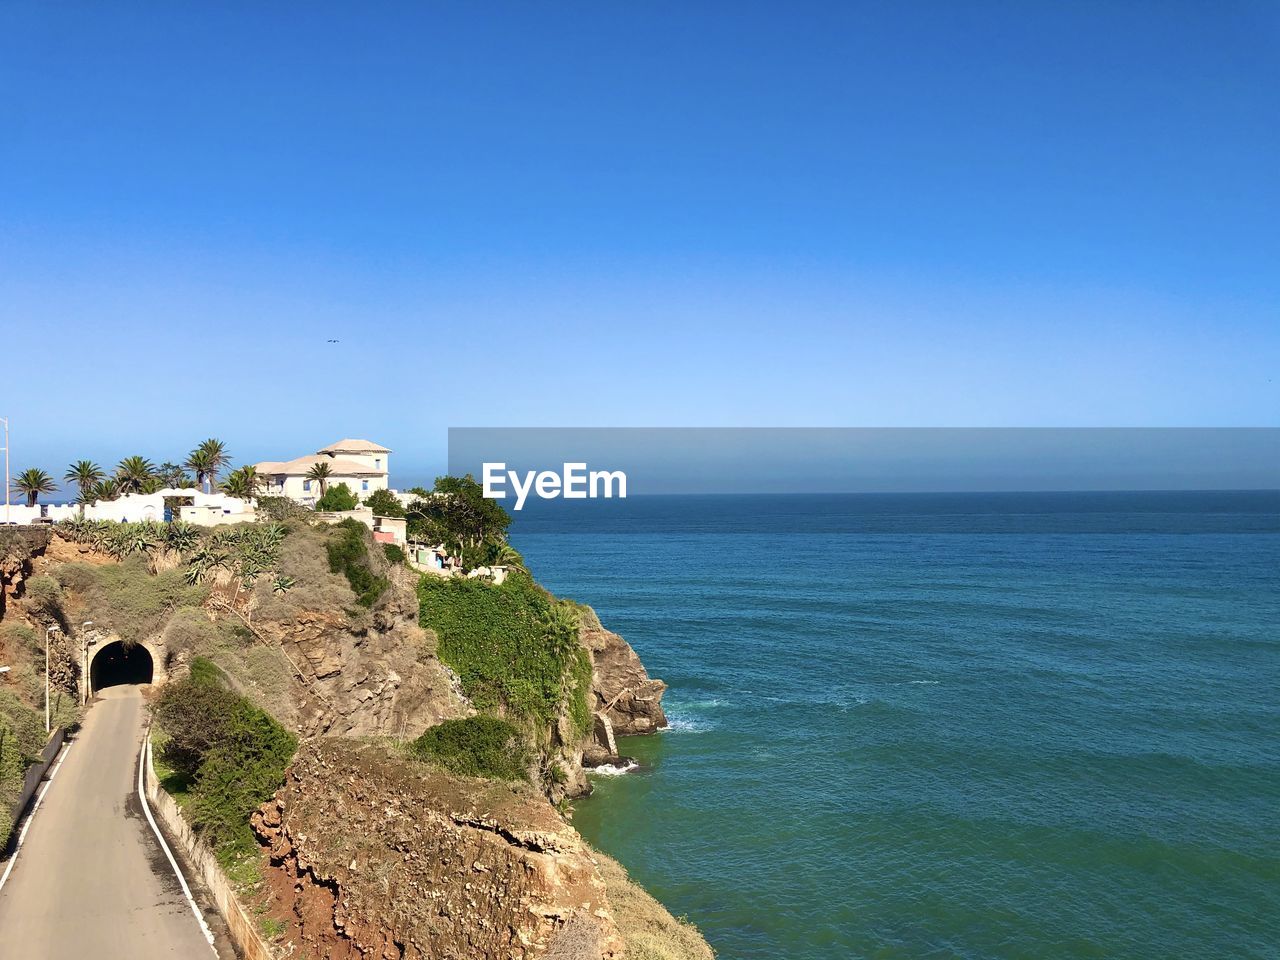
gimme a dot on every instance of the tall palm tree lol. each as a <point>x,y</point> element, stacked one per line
<point>31,483</point>
<point>321,472</point>
<point>86,475</point>
<point>199,463</point>
<point>132,474</point>
<point>215,452</point>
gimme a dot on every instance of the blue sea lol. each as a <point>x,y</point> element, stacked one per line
<point>910,726</point>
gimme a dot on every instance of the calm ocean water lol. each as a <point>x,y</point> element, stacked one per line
<point>966,726</point>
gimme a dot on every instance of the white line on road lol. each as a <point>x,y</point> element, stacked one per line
<point>22,834</point>
<point>144,757</point>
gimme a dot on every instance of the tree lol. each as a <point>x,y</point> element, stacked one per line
<point>31,483</point>
<point>133,473</point>
<point>321,472</point>
<point>86,475</point>
<point>336,499</point>
<point>384,503</point>
<point>242,483</point>
<point>108,489</point>
<point>172,475</point>
<point>458,515</point>
<point>199,463</point>
<point>215,452</point>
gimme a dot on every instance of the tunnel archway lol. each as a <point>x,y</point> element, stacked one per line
<point>116,664</point>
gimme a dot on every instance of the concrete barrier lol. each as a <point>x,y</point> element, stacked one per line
<point>35,773</point>
<point>244,931</point>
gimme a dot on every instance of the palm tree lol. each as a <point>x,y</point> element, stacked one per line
<point>321,472</point>
<point>31,483</point>
<point>199,463</point>
<point>86,475</point>
<point>132,474</point>
<point>216,456</point>
<point>108,489</point>
<point>242,483</point>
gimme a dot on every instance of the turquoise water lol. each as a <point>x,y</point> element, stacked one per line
<point>947,744</point>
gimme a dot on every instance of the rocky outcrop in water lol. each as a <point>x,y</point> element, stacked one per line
<point>627,701</point>
<point>376,856</point>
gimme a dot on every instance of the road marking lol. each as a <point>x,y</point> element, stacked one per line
<point>144,757</point>
<point>22,834</point>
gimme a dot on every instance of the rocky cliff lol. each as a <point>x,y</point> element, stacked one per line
<point>19,546</point>
<point>627,700</point>
<point>375,856</point>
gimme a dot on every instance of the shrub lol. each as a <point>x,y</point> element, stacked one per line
<point>336,499</point>
<point>512,645</point>
<point>196,714</point>
<point>384,503</point>
<point>349,555</point>
<point>238,774</point>
<point>393,552</point>
<point>477,746</point>
<point>231,753</point>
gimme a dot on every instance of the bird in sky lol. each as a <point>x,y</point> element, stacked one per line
<point>333,341</point>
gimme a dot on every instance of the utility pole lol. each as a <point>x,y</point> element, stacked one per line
<point>84,662</point>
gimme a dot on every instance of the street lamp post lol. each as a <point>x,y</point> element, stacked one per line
<point>48,634</point>
<point>84,662</point>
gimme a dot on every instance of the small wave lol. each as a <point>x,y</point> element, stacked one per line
<point>929,682</point>
<point>685,725</point>
<point>613,770</point>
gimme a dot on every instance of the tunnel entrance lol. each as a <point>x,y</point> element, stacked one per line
<point>115,664</point>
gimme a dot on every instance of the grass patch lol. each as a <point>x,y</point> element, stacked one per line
<point>126,598</point>
<point>477,746</point>
<point>647,927</point>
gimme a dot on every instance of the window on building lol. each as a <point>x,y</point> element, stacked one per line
<point>364,484</point>
<point>306,486</point>
<point>377,463</point>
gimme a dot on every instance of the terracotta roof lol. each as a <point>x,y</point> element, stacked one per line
<point>354,446</point>
<point>338,467</point>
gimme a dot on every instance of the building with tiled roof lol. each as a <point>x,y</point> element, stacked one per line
<point>361,464</point>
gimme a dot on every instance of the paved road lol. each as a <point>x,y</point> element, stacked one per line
<point>91,882</point>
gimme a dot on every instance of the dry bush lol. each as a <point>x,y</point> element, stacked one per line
<point>647,927</point>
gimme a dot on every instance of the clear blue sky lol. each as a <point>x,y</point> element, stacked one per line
<point>588,214</point>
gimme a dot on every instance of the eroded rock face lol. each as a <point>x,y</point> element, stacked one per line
<point>623,690</point>
<point>19,546</point>
<point>376,677</point>
<point>376,856</point>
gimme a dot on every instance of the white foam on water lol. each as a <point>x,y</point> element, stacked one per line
<point>685,725</point>
<point>613,770</point>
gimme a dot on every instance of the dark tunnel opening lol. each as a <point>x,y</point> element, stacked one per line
<point>115,664</point>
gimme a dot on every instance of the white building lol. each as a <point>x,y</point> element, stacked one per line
<point>185,503</point>
<point>361,464</point>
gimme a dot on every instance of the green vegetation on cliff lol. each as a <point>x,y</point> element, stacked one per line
<point>226,755</point>
<point>476,746</point>
<point>349,556</point>
<point>22,736</point>
<point>514,646</point>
